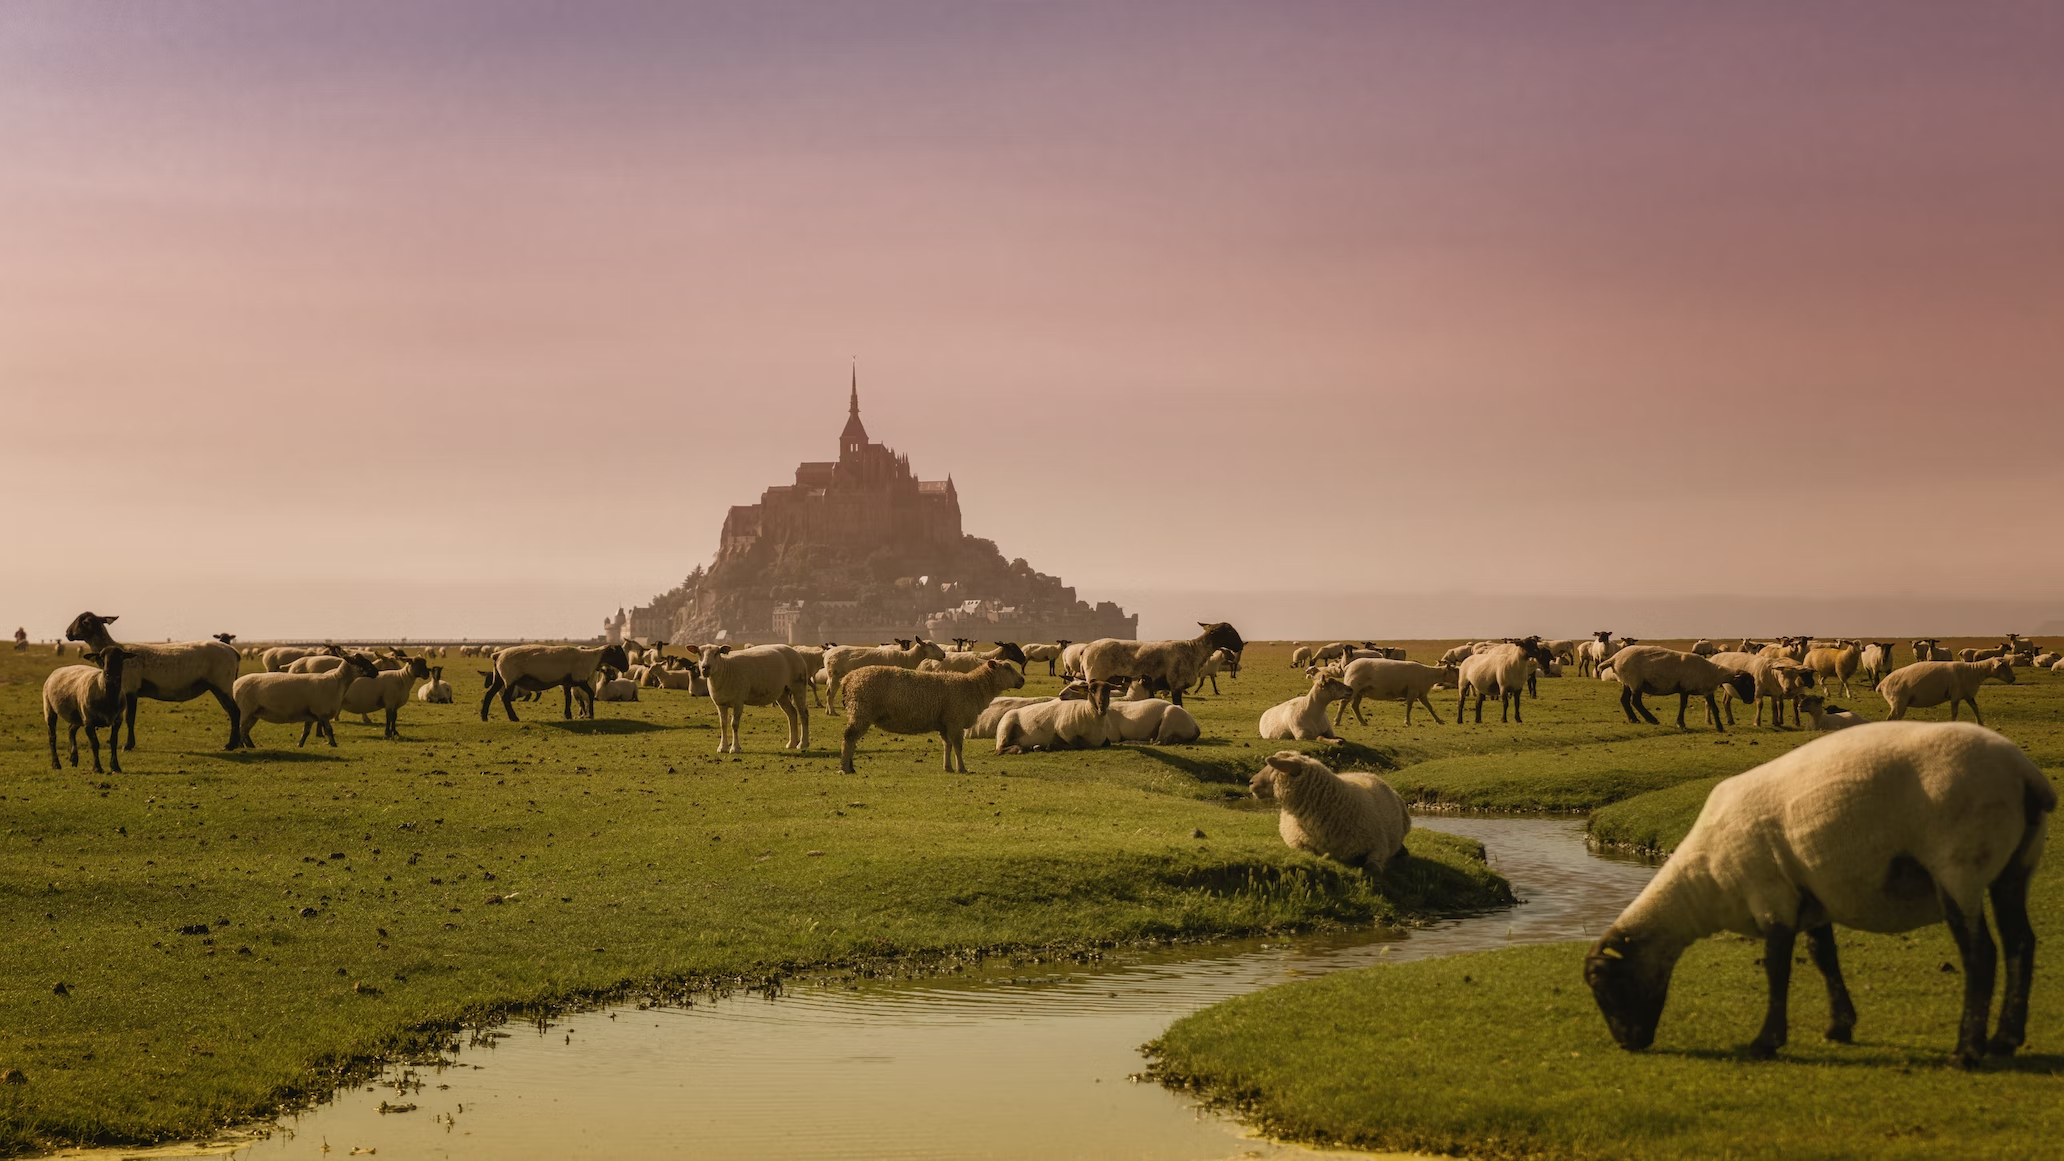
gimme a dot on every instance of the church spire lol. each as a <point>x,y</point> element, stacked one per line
<point>853,440</point>
<point>853,408</point>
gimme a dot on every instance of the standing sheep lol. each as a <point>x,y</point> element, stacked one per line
<point>1304,718</point>
<point>166,672</point>
<point>1502,668</point>
<point>387,691</point>
<point>846,658</point>
<point>1047,653</point>
<point>87,697</point>
<point>1930,683</point>
<point>1830,665</point>
<point>903,701</point>
<point>1876,661</point>
<point>536,668</point>
<point>1652,669</point>
<point>1353,818</point>
<point>1886,828</point>
<point>1384,679</point>
<point>1169,665</point>
<point>313,699</point>
<point>1930,649</point>
<point>1220,660</point>
<point>762,675</point>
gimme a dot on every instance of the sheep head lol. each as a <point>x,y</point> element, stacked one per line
<point>225,638</point>
<point>417,667</point>
<point>1010,651</point>
<point>1221,635</point>
<point>1012,679</point>
<point>615,655</point>
<point>1743,685</point>
<point>2002,670</point>
<point>86,625</point>
<point>1630,982</point>
<point>361,664</point>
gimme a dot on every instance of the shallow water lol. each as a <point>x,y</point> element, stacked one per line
<point>1026,1061</point>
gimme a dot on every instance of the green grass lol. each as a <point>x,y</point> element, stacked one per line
<point>633,861</point>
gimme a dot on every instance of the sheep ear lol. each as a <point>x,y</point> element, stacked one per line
<point>109,619</point>
<point>1277,761</point>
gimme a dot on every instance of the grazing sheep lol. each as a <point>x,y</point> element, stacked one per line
<point>1876,661</point>
<point>1169,665</point>
<point>1884,828</point>
<point>388,692</point>
<point>1303,657</point>
<point>992,714</point>
<point>903,701</point>
<point>1502,668</point>
<point>435,691</point>
<point>536,668</point>
<point>1651,669</point>
<point>1353,818</point>
<point>1835,664</point>
<point>1153,720</point>
<point>1458,654</point>
<point>1931,649</point>
<point>1062,723</point>
<point>1384,679</point>
<point>1047,653</point>
<point>313,699</point>
<point>1930,683</point>
<point>846,658</point>
<point>87,697</point>
<point>1829,717</point>
<point>972,662</point>
<point>760,675</point>
<point>166,672</point>
<point>1304,718</point>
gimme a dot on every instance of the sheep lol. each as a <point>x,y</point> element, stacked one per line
<point>536,668</point>
<point>1563,649</point>
<point>680,674</point>
<point>1876,661</point>
<point>1373,650</point>
<point>1829,717</point>
<point>992,714</point>
<point>1458,654</point>
<point>1930,683</point>
<point>2046,660</point>
<point>1385,679</point>
<point>760,675</point>
<point>1169,665</point>
<point>1652,669</point>
<point>1835,664</point>
<point>1931,649</point>
<point>1063,723</point>
<point>1592,654</point>
<point>435,691</point>
<point>607,686</point>
<point>166,672</point>
<point>313,699</point>
<point>846,658</point>
<point>1995,651</point>
<point>1071,658</point>
<point>971,662</point>
<point>277,658</point>
<point>1353,818</point>
<point>1705,648</point>
<point>387,691</point>
<point>1502,668</point>
<point>904,701</point>
<point>1303,656</point>
<point>1774,681</point>
<point>1154,720</point>
<point>87,697</point>
<point>813,656</point>
<point>1047,653</point>
<point>1304,718</point>
<point>330,658</point>
<point>1883,828</point>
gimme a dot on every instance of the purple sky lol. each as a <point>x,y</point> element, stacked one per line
<point>357,319</point>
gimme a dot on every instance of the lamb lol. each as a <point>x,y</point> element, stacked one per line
<point>1883,828</point>
<point>905,702</point>
<point>166,672</point>
<point>609,687</point>
<point>1160,722</point>
<point>1592,654</point>
<point>1388,680</point>
<point>1829,717</point>
<point>1652,669</point>
<point>1304,718</point>
<point>313,699</point>
<point>536,668</point>
<point>1047,653</point>
<point>1219,660</point>
<point>992,714</point>
<point>683,675</point>
<point>973,662</point>
<point>435,691</point>
<point>1060,724</point>
<point>761,675</point>
<point>846,658</point>
<point>1930,649</point>
<point>1352,818</point>
<point>1930,683</point>
<point>87,697</point>
<point>1876,661</point>
<point>387,691</point>
<point>1502,668</point>
<point>1836,664</point>
<point>1169,665</point>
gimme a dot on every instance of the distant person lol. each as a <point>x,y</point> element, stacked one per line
<point>21,640</point>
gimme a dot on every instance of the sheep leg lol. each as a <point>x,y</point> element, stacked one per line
<point>566,692</point>
<point>1820,944</point>
<point>946,740</point>
<point>508,701</point>
<point>787,701</point>
<point>1479,708</point>
<point>50,720</point>
<point>1777,970</point>
<point>1712,712</point>
<point>393,727</point>
<point>1974,710</point>
<point>2010,909</point>
<point>129,715</point>
<point>1975,948</point>
<point>73,737</point>
<point>1683,703</point>
<point>1627,703</point>
<point>1515,706</point>
<point>93,739</point>
<point>1428,703</point>
<point>305,727</point>
<point>229,706</point>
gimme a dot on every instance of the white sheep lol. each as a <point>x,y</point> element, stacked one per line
<point>1502,669</point>
<point>1051,654</point>
<point>1777,681</point>
<point>1930,683</point>
<point>87,697</point>
<point>1353,818</point>
<point>1154,720</point>
<point>1385,679</point>
<point>169,671</point>
<point>845,659</point>
<point>313,699</point>
<point>903,701</point>
<point>1163,665</point>
<point>1996,651</point>
<point>968,662</point>
<point>277,658</point>
<point>1651,669</point>
<point>536,668</point>
<point>1071,658</point>
<point>1876,661</point>
<point>1931,649</point>
<point>1304,718</point>
<point>436,691</point>
<point>992,714</point>
<point>1885,827</point>
<point>2046,660</point>
<point>1057,724</point>
<point>1705,648</point>
<point>1829,717</point>
<point>761,675</point>
<point>387,691</point>
<point>608,687</point>
<point>1219,661</point>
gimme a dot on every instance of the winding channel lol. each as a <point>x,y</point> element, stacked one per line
<point>1031,1061</point>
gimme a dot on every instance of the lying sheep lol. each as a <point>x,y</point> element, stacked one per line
<point>536,668</point>
<point>435,691</point>
<point>973,662</point>
<point>684,675</point>
<point>170,671</point>
<point>1160,722</point>
<point>1061,724</point>
<point>761,675</point>
<point>1651,669</point>
<point>1370,649</point>
<point>903,701</point>
<point>1930,683</point>
<point>609,687</point>
<point>1884,828</point>
<point>387,691</point>
<point>1993,653</point>
<point>1383,679</point>
<point>313,699</point>
<point>1163,665</point>
<point>1828,717</point>
<point>1304,718</point>
<point>1838,663</point>
<point>1352,818</point>
<point>277,658</point>
<point>87,697</point>
<point>846,658</point>
<point>1501,669</point>
<point>992,714</point>
<point>2046,660</point>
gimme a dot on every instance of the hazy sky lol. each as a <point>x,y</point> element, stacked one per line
<point>356,318</point>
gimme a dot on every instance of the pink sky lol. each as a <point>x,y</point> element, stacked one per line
<point>356,319</point>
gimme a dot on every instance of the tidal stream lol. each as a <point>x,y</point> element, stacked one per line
<point>1030,1061</point>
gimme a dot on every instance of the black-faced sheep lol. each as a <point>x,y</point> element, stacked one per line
<point>1502,669</point>
<point>904,701</point>
<point>1352,818</point>
<point>436,691</point>
<point>1163,665</point>
<point>1836,664</point>
<point>965,662</point>
<point>1930,683</point>
<point>1653,670</point>
<point>386,692</point>
<point>536,668</point>
<point>1886,827</point>
<point>87,697</point>
<point>178,671</point>
<point>313,699</point>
